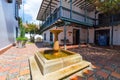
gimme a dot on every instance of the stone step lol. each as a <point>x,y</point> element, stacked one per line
<point>56,75</point>
<point>48,66</point>
<point>34,70</point>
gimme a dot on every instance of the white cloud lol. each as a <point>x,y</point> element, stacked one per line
<point>31,8</point>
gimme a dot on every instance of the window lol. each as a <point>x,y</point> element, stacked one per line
<point>44,36</point>
<point>16,10</point>
<point>10,1</point>
<point>51,36</point>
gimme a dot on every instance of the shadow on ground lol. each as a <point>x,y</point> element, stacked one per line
<point>39,44</point>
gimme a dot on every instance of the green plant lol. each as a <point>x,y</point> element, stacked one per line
<point>22,32</point>
<point>21,38</point>
<point>106,6</point>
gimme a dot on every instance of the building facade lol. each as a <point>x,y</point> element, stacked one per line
<point>8,22</point>
<point>80,21</point>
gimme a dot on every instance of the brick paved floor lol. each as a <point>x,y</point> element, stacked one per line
<point>14,63</point>
<point>106,63</point>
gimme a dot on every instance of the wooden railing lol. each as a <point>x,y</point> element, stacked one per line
<point>65,14</point>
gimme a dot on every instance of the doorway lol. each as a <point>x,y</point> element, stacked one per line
<point>102,37</point>
<point>76,36</point>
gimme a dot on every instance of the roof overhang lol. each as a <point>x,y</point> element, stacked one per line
<point>45,8</point>
<point>83,4</point>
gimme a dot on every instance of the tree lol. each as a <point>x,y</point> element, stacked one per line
<point>106,6</point>
<point>32,29</point>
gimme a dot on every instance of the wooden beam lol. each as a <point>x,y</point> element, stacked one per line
<point>80,3</point>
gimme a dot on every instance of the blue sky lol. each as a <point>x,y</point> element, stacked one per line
<point>31,8</point>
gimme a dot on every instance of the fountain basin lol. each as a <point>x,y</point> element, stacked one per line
<point>47,66</point>
<point>55,66</point>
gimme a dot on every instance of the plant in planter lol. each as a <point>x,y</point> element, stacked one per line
<point>21,40</point>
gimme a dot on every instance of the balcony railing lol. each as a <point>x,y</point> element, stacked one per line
<point>77,17</point>
<point>68,15</point>
<point>107,20</point>
<point>52,18</point>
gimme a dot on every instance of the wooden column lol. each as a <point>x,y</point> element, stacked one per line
<point>79,38</point>
<point>112,31</point>
<point>85,12</point>
<point>65,36</point>
<point>60,8</point>
<point>88,35</point>
<point>70,8</point>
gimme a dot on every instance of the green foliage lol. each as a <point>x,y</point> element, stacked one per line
<point>22,28</point>
<point>107,6</point>
<point>31,28</point>
<point>21,38</point>
<point>22,32</point>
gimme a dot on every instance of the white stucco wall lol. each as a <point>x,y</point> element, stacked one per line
<point>83,34</point>
<point>8,23</point>
<point>116,35</point>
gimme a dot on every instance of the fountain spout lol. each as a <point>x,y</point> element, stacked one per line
<point>56,42</point>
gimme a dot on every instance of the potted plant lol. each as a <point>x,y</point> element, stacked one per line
<point>21,40</point>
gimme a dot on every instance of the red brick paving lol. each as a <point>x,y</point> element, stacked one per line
<point>117,75</point>
<point>14,62</point>
<point>2,77</point>
<point>88,72</point>
<point>103,74</point>
<point>24,72</point>
<point>91,78</point>
<point>109,68</point>
<point>105,58</point>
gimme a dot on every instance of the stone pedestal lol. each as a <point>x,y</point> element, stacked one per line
<point>56,42</point>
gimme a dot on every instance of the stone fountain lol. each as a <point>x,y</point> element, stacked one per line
<point>56,42</point>
<point>43,68</point>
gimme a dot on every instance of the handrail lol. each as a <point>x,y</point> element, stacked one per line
<point>78,13</point>
<point>55,15</point>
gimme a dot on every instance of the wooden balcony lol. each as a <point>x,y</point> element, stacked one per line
<point>106,20</point>
<point>65,14</point>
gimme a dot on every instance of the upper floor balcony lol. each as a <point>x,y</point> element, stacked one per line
<point>106,19</point>
<point>67,10</point>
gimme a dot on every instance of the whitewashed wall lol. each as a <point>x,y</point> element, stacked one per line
<point>8,23</point>
<point>83,34</point>
<point>116,35</point>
